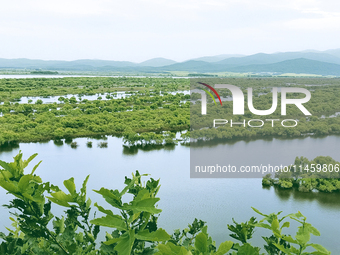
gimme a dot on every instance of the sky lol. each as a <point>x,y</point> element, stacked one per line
<point>137,30</point>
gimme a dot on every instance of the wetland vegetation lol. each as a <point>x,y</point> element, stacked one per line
<point>153,108</point>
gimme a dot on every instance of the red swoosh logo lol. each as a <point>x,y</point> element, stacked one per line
<point>218,96</point>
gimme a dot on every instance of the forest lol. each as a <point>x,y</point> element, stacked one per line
<point>144,111</point>
<point>323,105</point>
<point>154,109</point>
<point>320,174</point>
<point>13,89</point>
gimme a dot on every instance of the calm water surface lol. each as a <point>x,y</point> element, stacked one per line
<point>113,95</point>
<point>216,201</point>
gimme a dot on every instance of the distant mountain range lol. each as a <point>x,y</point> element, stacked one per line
<point>157,62</point>
<point>308,62</point>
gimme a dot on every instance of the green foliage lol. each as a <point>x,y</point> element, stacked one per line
<point>33,213</point>
<point>266,180</point>
<point>243,231</point>
<point>146,111</point>
<point>324,119</point>
<point>27,123</point>
<point>286,244</point>
<point>134,223</point>
<point>321,174</point>
<point>16,88</point>
<point>193,240</point>
<point>137,221</point>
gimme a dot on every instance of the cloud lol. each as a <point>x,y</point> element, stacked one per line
<point>140,29</point>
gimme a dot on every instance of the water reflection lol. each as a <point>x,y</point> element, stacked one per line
<point>331,200</point>
<point>58,142</point>
<point>89,97</point>
<point>9,146</point>
<point>222,141</point>
<point>133,150</point>
<point>79,97</point>
<point>68,140</point>
<point>43,141</point>
<point>183,198</point>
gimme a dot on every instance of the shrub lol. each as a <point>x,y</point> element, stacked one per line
<point>102,145</point>
<point>74,145</point>
<point>135,228</point>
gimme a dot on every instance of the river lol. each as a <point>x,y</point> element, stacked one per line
<point>213,200</point>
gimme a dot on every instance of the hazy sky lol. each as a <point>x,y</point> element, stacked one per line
<point>137,30</point>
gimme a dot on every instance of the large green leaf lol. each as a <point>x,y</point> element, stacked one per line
<point>322,250</point>
<point>303,235</point>
<point>110,196</point>
<point>6,166</point>
<point>61,198</point>
<point>247,249</point>
<point>156,236</point>
<point>201,242</point>
<point>224,247</point>
<point>275,225</point>
<point>125,243</point>
<point>145,205</point>
<point>6,175</point>
<point>26,180</point>
<point>290,239</point>
<point>285,225</point>
<point>70,186</point>
<point>142,194</point>
<point>112,221</point>
<point>101,209</point>
<point>312,229</point>
<point>171,249</point>
<point>11,187</point>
